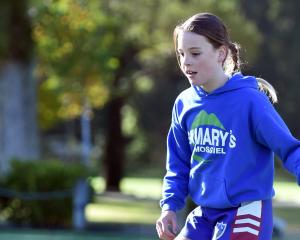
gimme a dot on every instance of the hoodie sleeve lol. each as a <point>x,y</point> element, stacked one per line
<point>272,132</point>
<point>175,183</point>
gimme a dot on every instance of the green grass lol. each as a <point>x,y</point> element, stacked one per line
<point>139,205</point>
<point>287,203</point>
<point>111,210</point>
<point>139,187</point>
<point>288,192</point>
<point>290,215</point>
<point>151,188</point>
<point>143,211</point>
<point>63,235</point>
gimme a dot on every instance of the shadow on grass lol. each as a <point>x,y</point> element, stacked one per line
<point>22,234</point>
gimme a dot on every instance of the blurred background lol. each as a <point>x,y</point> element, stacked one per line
<point>86,91</point>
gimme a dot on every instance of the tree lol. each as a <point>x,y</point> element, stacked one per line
<point>112,49</point>
<point>18,122</point>
<point>277,60</point>
<point>83,58</point>
<point>153,108</point>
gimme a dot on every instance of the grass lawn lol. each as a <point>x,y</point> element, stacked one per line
<point>291,215</point>
<point>138,204</point>
<point>63,235</point>
<point>287,204</point>
<point>112,210</point>
<point>287,192</point>
<point>139,187</point>
<point>141,210</point>
<point>150,188</point>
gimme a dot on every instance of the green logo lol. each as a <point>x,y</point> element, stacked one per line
<point>203,118</point>
<point>200,159</point>
<point>208,135</point>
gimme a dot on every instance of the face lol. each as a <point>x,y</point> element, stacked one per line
<point>199,60</point>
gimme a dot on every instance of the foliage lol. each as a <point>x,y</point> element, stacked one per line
<point>30,177</point>
<point>83,46</point>
<point>94,51</point>
<point>71,43</point>
<point>153,108</point>
<point>277,59</point>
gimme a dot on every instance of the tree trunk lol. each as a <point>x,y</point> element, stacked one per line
<point>85,129</point>
<point>18,117</point>
<point>114,152</point>
<point>19,132</point>
<point>114,156</point>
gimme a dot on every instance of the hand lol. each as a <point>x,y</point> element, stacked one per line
<point>166,225</point>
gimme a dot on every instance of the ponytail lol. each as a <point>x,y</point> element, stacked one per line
<point>235,63</point>
<point>235,55</point>
<point>232,61</point>
<point>266,87</point>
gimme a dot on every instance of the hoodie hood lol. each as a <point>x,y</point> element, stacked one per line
<point>236,81</point>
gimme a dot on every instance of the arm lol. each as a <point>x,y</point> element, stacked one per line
<point>272,132</point>
<point>175,184</point>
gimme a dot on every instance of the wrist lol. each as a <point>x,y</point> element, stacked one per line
<point>167,207</point>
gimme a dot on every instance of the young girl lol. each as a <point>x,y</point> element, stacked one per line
<point>223,134</point>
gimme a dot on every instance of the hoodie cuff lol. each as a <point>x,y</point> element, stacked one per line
<point>168,207</point>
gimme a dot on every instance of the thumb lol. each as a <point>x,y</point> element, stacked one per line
<point>174,226</point>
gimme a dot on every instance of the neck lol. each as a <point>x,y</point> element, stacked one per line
<point>217,81</point>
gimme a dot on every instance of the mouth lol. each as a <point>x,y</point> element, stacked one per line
<point>190,73</point>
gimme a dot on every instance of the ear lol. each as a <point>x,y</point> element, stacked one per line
<point>222,54</point>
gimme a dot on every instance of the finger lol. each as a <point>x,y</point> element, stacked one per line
<point>165,237</point>
<point>159,230</point>
<point>174,227</point>
<point>166,232</point>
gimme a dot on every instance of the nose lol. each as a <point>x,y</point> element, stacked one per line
<point>186,61</point>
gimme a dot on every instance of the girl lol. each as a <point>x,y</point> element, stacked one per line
<point>221,141</point>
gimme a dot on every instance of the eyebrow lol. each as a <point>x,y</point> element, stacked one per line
<point>192,48</point>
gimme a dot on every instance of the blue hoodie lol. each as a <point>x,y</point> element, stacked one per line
<point>220,146</point>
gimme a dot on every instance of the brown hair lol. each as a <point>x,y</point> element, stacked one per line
<point>213,28</point>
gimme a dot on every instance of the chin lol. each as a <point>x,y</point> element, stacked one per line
<point>195,83</point>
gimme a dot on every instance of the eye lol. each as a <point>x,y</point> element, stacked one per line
<point>196,53</point>
<point>181,54</point>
